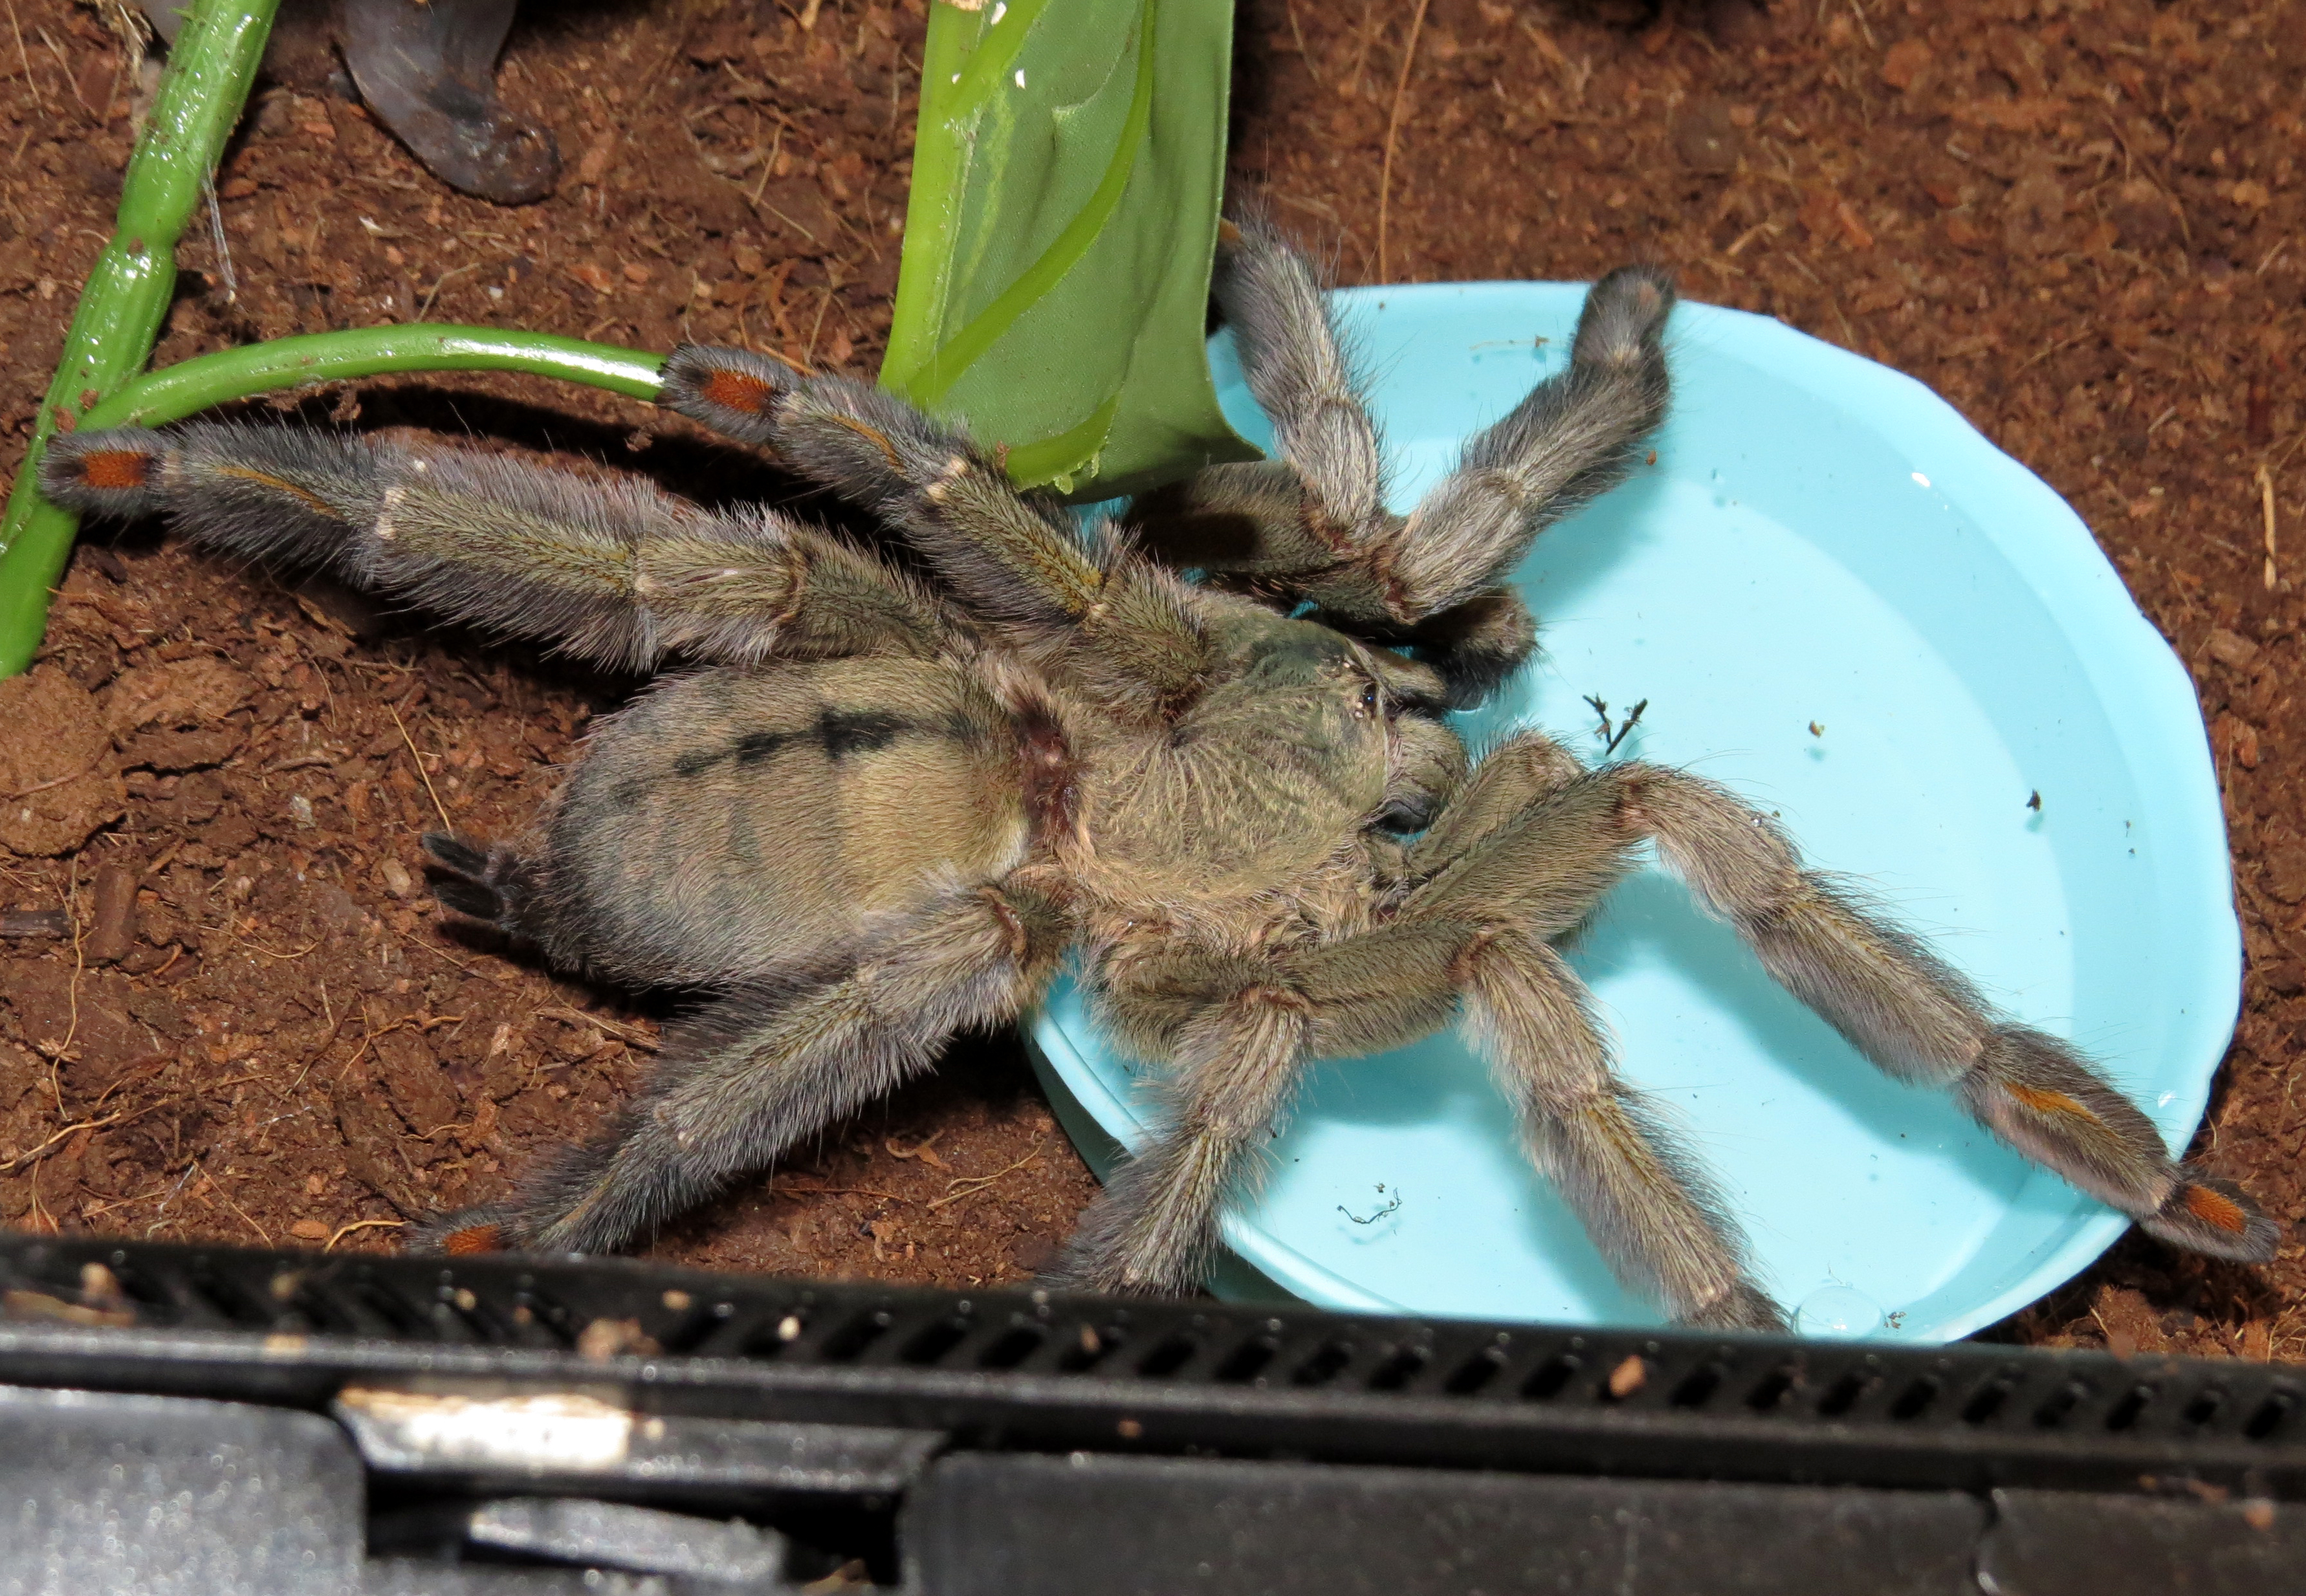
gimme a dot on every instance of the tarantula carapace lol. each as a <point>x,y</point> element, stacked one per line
<point>894,796</point>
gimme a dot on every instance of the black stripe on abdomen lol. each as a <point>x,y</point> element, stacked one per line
<point>844,732</point>
<point>838,733</point>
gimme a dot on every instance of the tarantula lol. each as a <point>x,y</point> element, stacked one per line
<point>895,797</point>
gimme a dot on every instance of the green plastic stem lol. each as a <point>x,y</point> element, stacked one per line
<point>201,96</point>
<point>193,386</point>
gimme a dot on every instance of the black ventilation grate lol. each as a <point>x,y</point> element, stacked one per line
<point>1084,1355</point>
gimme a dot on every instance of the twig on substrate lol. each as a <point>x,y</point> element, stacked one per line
<point>345,1230</point>
<point>1303,54</point>
<point>630,1035</point>
<point>439,808</point>
<point>777,1190</point>
<point>925,1150</point>
<point>2266,501</point>
<point>416,942</point>
<point>327,1042</point>
<point>441,282</point>
<point>33,1153</point>
<point>216,1187</point>
<point>71,992</point>
<point>977,1183</point>
<point>31,83</point>
<point>1392,132</point>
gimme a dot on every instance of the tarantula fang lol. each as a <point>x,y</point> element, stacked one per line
<point>892,797</point>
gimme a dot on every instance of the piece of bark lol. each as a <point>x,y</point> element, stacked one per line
<point>112,920</point>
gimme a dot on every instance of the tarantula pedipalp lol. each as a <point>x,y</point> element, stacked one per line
<point>889,804</point>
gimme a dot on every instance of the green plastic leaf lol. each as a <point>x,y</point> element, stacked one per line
<point>1066,181</point>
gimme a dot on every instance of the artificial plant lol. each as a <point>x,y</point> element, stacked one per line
<point>1066,184</point>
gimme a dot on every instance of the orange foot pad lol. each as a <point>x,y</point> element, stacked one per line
<point>737,390</point>
<point>114,468</point>
<point>2216,1209</point>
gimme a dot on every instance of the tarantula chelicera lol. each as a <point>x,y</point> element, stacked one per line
<point>891,802</point>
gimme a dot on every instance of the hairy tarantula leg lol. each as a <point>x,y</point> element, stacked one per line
<point>762,1069</point>
<point>1245,527</point>
<point>1574,438</point>
<point>1239,1028</point>
<point>1311,525</point>
<point>1436,579</point>
<point>1304,381</point>
<point>1153,1228</point>
<point>1013,557</point>
<point>1474,645</point>
<point>1505,781</point>
<point>1242,520</point>
<point>1895,1000</point>
<point>1918,1020</point>
<point>618,571</point>
<point>1646,1201</point>
<point>1646,1204</point>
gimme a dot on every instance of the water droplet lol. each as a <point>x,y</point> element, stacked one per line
<point>1839,1312</point>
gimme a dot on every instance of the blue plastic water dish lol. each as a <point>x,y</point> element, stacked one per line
<point>1835,597</point>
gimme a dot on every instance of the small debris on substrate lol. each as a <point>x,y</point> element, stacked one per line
<point>2075,227</point>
